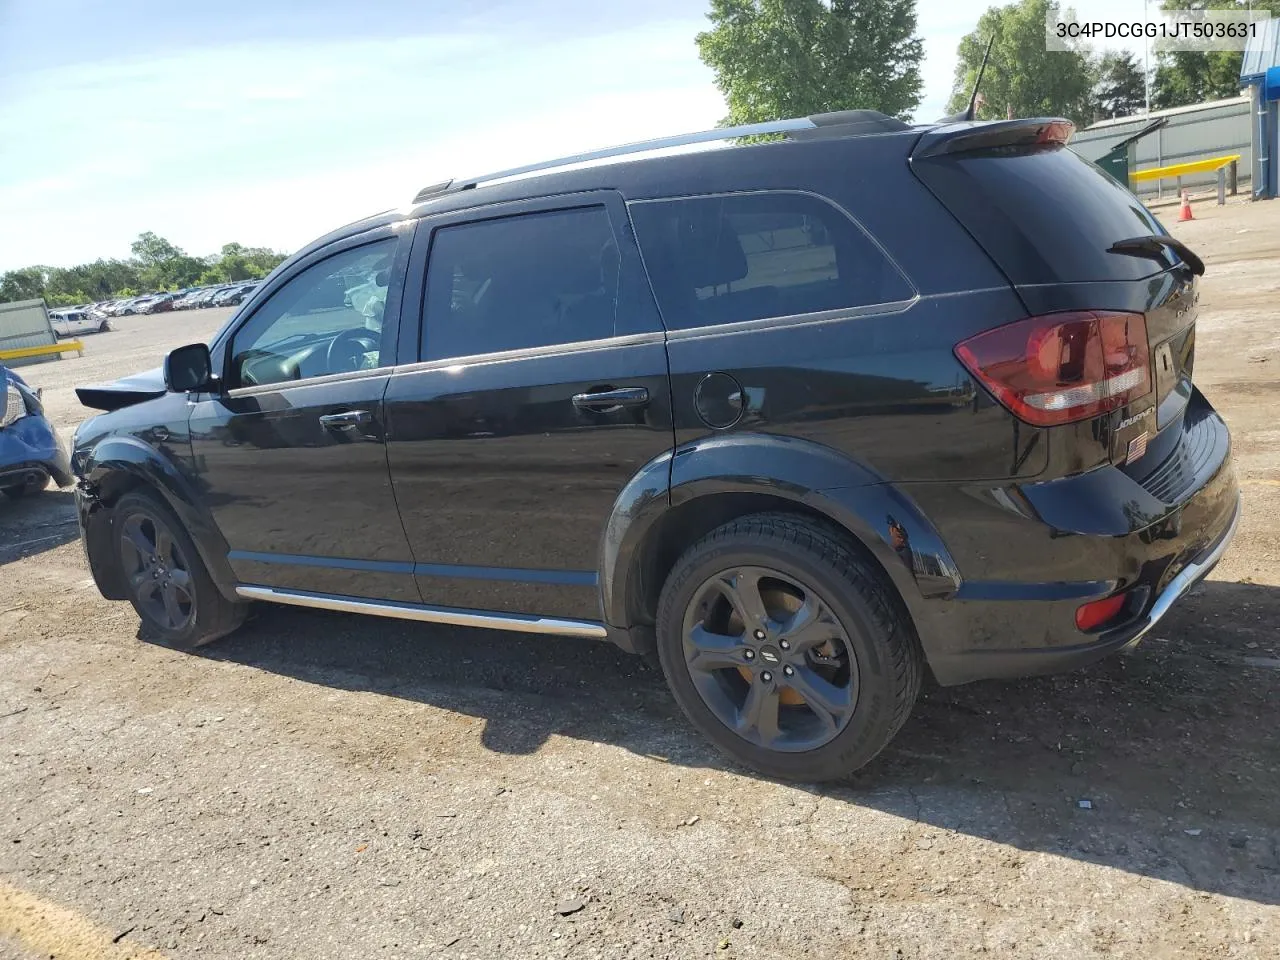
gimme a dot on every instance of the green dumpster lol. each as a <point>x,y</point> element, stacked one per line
<point>1116,163</point>
<point>1121,158</point>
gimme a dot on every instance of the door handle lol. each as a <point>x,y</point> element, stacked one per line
<point>347,418</point>
<point>605,401</point>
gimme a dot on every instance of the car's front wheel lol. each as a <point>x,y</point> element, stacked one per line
<point>169,586</point>
<point>786,648</point>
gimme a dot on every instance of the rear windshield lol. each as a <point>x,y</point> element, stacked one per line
<point>1044,215</point>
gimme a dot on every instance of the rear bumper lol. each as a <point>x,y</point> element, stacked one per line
<point>28,447</point>
<point>996,664</point>
<point>1030,555</point>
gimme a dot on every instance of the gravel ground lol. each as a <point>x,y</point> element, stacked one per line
<point>324,786</point>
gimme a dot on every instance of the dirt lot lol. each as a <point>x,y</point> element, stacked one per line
<point>323,786</point>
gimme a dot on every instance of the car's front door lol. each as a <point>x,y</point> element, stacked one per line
<point>291,453</point>
<point>541,391</point>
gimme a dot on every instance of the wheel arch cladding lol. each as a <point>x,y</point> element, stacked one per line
<point>721,478</point>
<point>119,465</point>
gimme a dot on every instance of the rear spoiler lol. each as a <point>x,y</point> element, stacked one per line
<point>955,138</point>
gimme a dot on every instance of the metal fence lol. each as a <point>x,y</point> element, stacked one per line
<point>1197,132</point>
<point>25,324</point>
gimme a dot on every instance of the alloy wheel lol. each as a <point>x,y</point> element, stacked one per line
<point>770,658</point>
<point>157,572</point>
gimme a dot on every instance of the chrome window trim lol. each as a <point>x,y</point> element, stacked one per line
<point>793,320</point>
<point>526,353</point>
<point>328,378</point>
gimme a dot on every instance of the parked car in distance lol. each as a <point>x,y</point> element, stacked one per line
<point>70,323</point>
<point>189,299</point>
<point>205,298</point>
<point>230,296</point>
<point>161,303</point>
<point>30,451</point>
<point>723,408</point>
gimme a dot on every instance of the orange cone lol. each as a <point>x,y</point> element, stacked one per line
<point>1185,212</point>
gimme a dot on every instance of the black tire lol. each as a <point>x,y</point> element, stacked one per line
<point>873,645</point>
<point>25,490</point>
<point>176,599</point>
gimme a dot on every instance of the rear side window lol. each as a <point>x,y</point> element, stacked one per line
<point>528,281</point>
<point>725,259</point>
<point>1044,215</point>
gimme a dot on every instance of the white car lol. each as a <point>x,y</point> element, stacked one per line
<point>69,323</point>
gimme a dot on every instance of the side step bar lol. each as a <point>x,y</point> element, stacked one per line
<point>520,623</point>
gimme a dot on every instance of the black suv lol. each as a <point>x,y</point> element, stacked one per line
<point>800,418</point>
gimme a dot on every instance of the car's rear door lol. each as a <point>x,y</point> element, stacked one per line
<point>541,391</point>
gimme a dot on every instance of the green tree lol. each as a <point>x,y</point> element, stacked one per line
<point>1184,77</point>
<point>151,250</point>
<point>163,265</point>
<point>790,58</point>
<point>1023,78</point>
<point>1120,88</point>
<point>26,283</point>
<point>91,281</point>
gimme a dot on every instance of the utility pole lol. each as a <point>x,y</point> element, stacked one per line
<point>1146,59</point>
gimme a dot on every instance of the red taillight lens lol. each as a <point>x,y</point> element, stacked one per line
<point>1097,612</point>
<point>1062,367</point>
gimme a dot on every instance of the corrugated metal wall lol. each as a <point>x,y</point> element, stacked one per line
<point>25,324</point>
<point>1193,133</point>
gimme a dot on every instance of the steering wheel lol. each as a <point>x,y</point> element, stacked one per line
<point>346,350</point>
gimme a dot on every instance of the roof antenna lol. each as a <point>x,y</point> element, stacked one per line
<point>971,111</point>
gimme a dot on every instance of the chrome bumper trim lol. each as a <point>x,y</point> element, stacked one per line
<point>1190,575</point>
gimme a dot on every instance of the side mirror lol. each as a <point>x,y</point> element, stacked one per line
<point>188,368</point>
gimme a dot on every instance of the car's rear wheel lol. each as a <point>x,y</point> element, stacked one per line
<point>786,648</point>
<point>168,584</point>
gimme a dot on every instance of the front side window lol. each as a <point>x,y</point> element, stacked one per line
<point>725,259</point>
<point>526,281</point>
<point>327,319</point>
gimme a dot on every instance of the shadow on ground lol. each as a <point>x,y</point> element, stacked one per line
<point>1174,748</point>
<point>35,523</point>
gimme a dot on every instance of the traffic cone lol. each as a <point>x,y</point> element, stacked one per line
<point>1185,212</point>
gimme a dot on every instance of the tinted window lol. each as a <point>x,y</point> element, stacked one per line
<point>290,336</point>
<point>719,260</point>
<point>1045,215</point>
<point>528,281</point>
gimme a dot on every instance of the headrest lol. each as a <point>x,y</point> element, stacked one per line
<point>709,252</point>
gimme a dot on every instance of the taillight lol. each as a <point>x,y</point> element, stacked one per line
<point>1062,367</point>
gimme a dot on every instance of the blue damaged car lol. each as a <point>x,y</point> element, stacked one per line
<point>30,451</point>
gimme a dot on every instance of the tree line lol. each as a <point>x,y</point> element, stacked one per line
<point>156,265</point>
<point>788,58</point>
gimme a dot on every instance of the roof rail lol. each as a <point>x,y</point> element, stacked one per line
<point>644,146</point>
